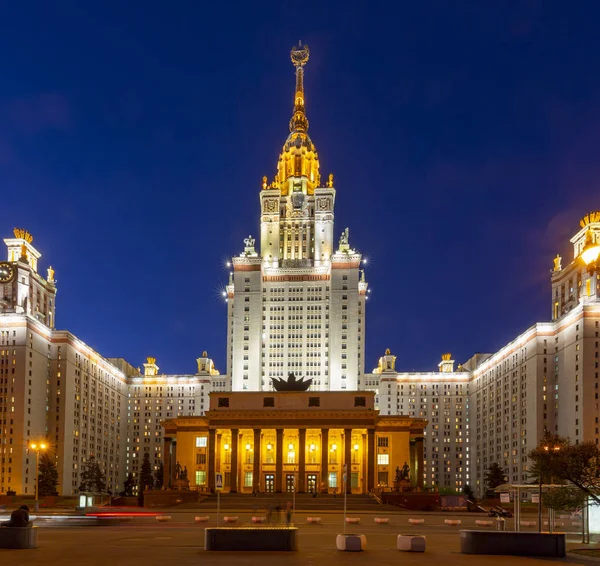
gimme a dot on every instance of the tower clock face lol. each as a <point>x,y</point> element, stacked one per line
<point>6,272</point>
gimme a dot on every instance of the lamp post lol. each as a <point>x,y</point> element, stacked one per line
<point>37,448</point>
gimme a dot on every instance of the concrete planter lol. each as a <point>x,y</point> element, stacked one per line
<point>353,520</point>
<point>513,543</point>
<point>381,520</point>
<point>259,519</point>
<point>416,521</point>
<point>453,522</point>
<point>411,543</point>
<point>163,518</point>
<point>313,520</point>
<point>481,523</point>
<point>19,537</point>
<point>201,519</point>
<point>251,538</point>
<point>351,542</point>
<point>230,519</point>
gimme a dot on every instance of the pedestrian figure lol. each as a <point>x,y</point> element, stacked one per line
<point>19,518</point>
<point>278,511</point>
<point>288,513</point>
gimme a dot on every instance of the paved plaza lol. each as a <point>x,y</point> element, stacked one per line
<point>181,541</point>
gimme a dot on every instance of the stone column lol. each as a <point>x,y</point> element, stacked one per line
<point>412,460</point>
<point>301,487</point>
<point>173,460</point>
<point>278,459</point>
<point>363,465</point>
<point>348,458</point>
<point>167,462</point>
<point>233,485</point>
<point>419,462</point>
<point>324,460</point>
<point>372,457</point>
<point>212,458</point>
<point>257,457</point>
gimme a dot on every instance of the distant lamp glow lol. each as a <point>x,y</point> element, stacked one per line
<point>591,250</point>
<point>228,264</point>
<point>226,446</point>
<point>269,446</point>
<point>248,446</point>
<point>356,447</point>
<point>290,446</point>
<point>333,447</point>
<point>224,293</point>
<point>365,261</point>
<point>312,447</point>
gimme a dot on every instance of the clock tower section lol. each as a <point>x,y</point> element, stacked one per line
<point>22,289</point>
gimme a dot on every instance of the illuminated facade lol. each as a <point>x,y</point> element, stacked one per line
<point>298,304</point>
<point>281,442</point>
<point>295,305</point>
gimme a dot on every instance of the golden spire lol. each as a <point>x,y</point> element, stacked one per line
<point>299,56</point>
<point>298,158</point>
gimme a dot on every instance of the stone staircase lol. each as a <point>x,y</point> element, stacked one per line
<point>304,502</point>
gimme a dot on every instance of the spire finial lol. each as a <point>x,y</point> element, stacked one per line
<point>299,56</point>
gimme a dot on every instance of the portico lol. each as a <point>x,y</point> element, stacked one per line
<point>285,441</point>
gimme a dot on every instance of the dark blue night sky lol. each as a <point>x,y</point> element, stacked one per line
<point>463,136</point>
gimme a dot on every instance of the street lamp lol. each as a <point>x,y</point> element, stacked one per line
<point>37,448</point>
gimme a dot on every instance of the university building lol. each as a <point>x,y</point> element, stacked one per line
<point>296,303</point>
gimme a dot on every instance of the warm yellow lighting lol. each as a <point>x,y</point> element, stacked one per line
<point>356,447</point>
<point>333,447</point>
<point>33,446</point>
<point>312,447</point>
<point>290,446</point>
<point>590,252</point>
<point>225,446</point>
<point>269,446</point>
<point>248,446</point>
<point>42,446</point>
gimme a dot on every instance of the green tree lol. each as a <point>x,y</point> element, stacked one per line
<point>564,499</point>
<point>146,478</point>
<point>159,476</point>
<point>47,475</point>
<point>468,491</point>
<point>494,476</point>
<point>92,477</point>
<point>128,486</point>
<point>556,460</point>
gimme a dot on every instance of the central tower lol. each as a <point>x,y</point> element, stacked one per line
<point>298,306</point>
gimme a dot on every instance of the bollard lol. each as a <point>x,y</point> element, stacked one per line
<point>416,521</point>
<point>201,519</point>
<point>500,524</point>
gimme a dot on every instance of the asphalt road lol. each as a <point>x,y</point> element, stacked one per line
<point>181,541</point>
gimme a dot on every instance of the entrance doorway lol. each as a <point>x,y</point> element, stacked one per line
<point>289,483</point>
<point>269,483</point>
<point>311,483</point>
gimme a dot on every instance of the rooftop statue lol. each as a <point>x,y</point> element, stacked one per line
<point>292,384</point>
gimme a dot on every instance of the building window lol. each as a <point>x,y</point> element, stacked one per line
<point>223,402</point>
<point>247,479</point>
<point>360,401</point>
<point>382,441</point>
<point>382,478</point>
<point>383,459</point>
<point>200,477</point>
<point>314,401</point>
<point>201,442</point>
<point>354,479</point>
<point>269,402</point>
<point>333,479</point>
<point>200,458</point>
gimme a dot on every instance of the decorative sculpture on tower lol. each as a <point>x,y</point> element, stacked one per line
<point>292,384</point>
